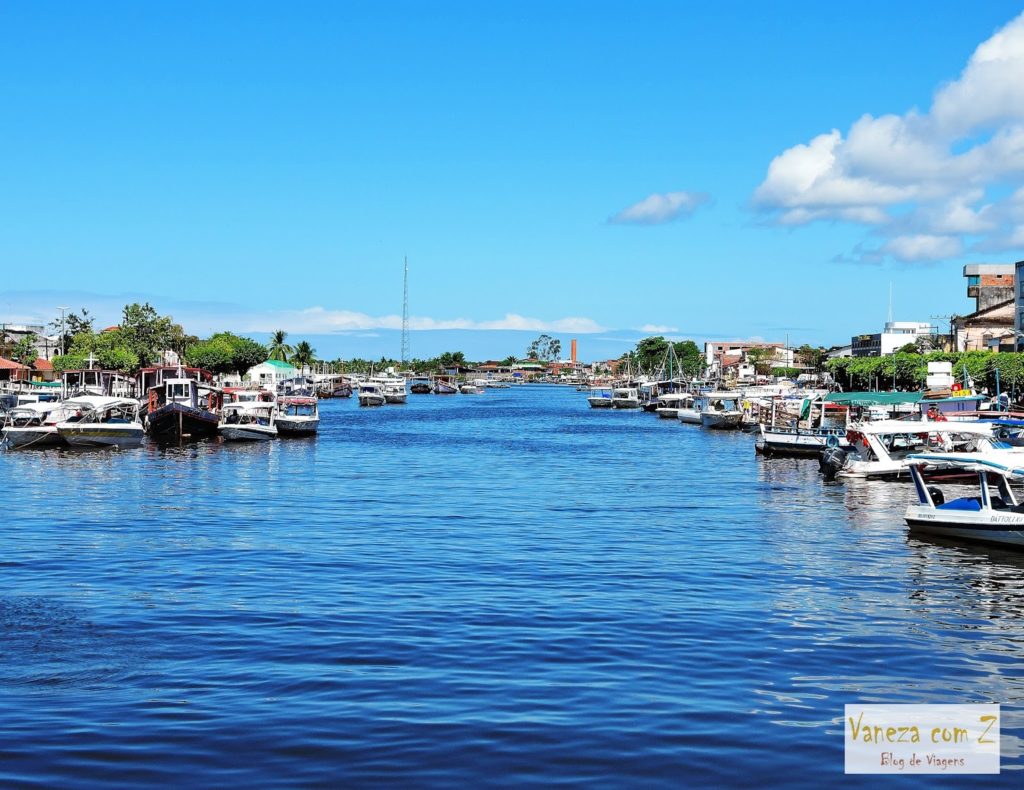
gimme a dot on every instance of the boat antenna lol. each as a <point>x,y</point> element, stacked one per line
<point>405,314</point>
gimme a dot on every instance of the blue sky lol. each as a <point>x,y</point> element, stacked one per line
<point>598,170</point>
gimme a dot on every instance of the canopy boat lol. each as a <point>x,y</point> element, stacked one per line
<point>297,416</point>
<point>993,516</point>
<point>444,386</point>
<point>670,402</point>
<point>99,421</point>
<point>181,403</point>
<point>245,395</point>
<point>600,399</point>
<point>815,426</point>
<point>394,390</point>
<point>721,411</point>
<point>300,386</point>
<point>248,421</point>
<point>474,387</point>
<point>882,450</point>
<point>420,386</point>
<point>689,409</point>
<point>33,425</point>
<point>371,394</point>
<point>625,398</point>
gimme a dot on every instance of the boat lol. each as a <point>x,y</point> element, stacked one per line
<point>689,408</point>
<point>302,386</point>
<point>33,425</point>
<point>802,432</point>
<point>94,381</point>
<point>444,386</point>
<point>371,394</point>
<point>669,404</point>
<point>180,403</point>
<point>625,398</point>
<point>882,449</point>
<point>101,421</point>
<point>992,516</point>
<point>474,387</point>
<point>394,390</point>
<point>248,421</point>
<point>420,386</point>
<point>721,411</point>
<point>297,416</point>
<point>600,399</point>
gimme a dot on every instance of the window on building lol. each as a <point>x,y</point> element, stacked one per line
<point>974,279</point>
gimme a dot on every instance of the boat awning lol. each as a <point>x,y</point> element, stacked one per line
<point>873,398</point>
<point>970,462</point>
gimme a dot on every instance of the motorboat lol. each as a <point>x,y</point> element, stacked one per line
<point>474,387</point>
<point>992,516</point>
<point>625,398</point>
<point>600,399</point>
<point>297,416</point>
<point>248,421</point>
<point>801,430</point>
<point>94,381</point>
<point>394,390</point>
<point>689,408</point>
<point>371,394</point>
<point>721,411</point>
<point>101,421</point>
<point>420,385</point>
<point>882,449</point>
<point>180,403</point>
<point>669,404</point>
<point>301,386</point>
<point>33,425</point>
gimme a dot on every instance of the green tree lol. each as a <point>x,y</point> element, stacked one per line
<point>650,353</point>
<point>146,334</point>
<point>74,324</point>
<point>811,356</point>
<point>509,361</point>
<point>690,358</point>
<point>545,348</point>
<point>451,359</point>
<point>279,349</point>
<point>24,350</point>
<point>303,356</point>
<point>225,352</point>
<point>761,358</point>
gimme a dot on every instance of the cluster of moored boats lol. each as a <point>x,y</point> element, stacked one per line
<point>394,389</point>
<point>940,437</point>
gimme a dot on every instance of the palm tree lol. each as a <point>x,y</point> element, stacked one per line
<point>279,350</point>
<point>303,356</point>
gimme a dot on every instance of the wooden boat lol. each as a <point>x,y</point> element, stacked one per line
<point>420,386</point>
<point>248,421</point>
<point>297,416</point>
<point>993,516</point>
<point>444,386</point>
<point>99,421</point>
<point>181,403</point>
<point>669,404</point>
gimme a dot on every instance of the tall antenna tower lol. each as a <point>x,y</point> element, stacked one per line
<point>405,314</point>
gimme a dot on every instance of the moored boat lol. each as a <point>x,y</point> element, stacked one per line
<point>625,398</point>
<point>721,411</point>
<point>420,386</point>
<point>444,386</point>
<point>475,387</point>
<point>33,425</point>
<point>600,399</point>
<point>180,403</point>
<point>297,416</point>
<point>248,421</point>
<point>371,394</point>
<point>669,404</point>
<point>99,421</point>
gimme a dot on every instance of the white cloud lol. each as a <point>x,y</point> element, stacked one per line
<point>320,319</point>
<point>660,208</point>
<point>923,179</point>
<point>657,329</point>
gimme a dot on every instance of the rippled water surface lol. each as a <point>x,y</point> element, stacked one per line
<point>500,589</point>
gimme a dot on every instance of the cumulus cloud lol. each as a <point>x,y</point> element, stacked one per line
<point>660,208</point>
<point>929,183</point>
<point>322,320</point>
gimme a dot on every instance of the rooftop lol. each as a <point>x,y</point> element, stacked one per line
<point>974,269</point>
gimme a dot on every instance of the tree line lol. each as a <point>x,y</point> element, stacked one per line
<point>908,370</point>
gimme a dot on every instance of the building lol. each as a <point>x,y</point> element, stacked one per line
<point>990,284</point>
<point>894,336</point>
<point>722,354</point>
<point>268,374</point>
<point>1018,304</point>
<point>46,346</point>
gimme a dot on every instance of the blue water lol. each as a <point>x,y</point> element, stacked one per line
<point>502,589</point>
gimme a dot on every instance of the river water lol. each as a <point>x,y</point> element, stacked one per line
<point>502,589</point>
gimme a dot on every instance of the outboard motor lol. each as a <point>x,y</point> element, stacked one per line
<point>831,461</point>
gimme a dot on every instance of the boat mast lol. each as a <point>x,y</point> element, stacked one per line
<point>405,314</point>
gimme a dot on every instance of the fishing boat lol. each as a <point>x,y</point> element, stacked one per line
<point>721,411</point>
<point>33,425</point>
<point>625,398</point>
<point>882,450</point>
<point>420,386</point>
<point>804,430</point>
<point>992,516</point>
<point>669,404</point>
<point>248,421</point>
<point>444,386</point>
<point>297,416</point>
<point>371,394</point>
<point>94,381</point>
<point>100,421</point>
<point>600,399</point>
<point>180,403</point>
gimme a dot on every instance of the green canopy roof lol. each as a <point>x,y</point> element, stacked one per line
<point>873,398</point>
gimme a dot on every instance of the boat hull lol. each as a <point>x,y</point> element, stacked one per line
<point>970,526</point>
<point>176,421</point>
<point>721,421</point>
<point>420,389</point>
<point>36,436</point>
<point>291,426</point>
<point>625,403</point>
<point>444,389</point>
<point>79,434</point>
<point>248,433</point>
<point>371,400</point>
<point>401,398</point>
<point>667,413</point>
<point>600,403</point>
<point>689,416</point>
<point>796,445</point>
<point>469,389</point>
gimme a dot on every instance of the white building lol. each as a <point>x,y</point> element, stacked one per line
<point>268,374</point>
<point>894,336</point>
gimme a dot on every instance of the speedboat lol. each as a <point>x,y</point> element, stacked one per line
<point>625,398</point>
<point>371,394</point>
<point>600,399</point>
<point>100,421</point>
<point>882,450</point>
<point>248,421</point>
<point>721,411</point>
<point>993,516</point>
<point>33,425</point>
<point>297,416</point>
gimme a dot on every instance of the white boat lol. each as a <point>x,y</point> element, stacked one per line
<point>600,399</point>
<point>881,450</point>
<point>670,403</point>
<point>100,421</point>
<point>804,429</point>
<point>371,394</point>
<point>297,416</point>
<point>394,390</point>
<point>689,409</point>
<point>474,387</point>
<point>721,411</point>
<point>33,425</point>
<point>248,421</point>
<point>625,398</point>
<point>993,516</point>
